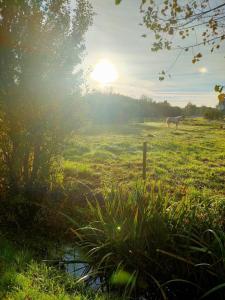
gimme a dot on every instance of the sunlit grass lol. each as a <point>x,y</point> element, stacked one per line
<point>193,155</point>
<point>145,239</point>
<point>77,169</point>
<point>156,239</point>
<point>24,278</point>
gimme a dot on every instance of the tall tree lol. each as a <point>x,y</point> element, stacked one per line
<point>41,48</point>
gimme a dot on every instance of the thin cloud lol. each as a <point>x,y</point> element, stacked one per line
<point>117,36</point>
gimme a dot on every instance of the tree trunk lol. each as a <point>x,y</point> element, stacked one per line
<point>36,163</point>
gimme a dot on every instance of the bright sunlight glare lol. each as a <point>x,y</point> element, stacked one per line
<point>104,72</point>
<point>203,70</point>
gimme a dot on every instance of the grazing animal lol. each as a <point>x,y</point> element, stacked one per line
<point>174,120</point>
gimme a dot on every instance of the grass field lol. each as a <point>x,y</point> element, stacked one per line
<point>169,230</point>
<point>163,240</point>
<point>190,158</point>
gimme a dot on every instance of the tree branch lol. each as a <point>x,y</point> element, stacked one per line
<point>199,44</point>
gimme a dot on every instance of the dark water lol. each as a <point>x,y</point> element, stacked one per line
<point>76,266</point>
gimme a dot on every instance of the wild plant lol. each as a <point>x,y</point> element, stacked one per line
<point>163,248</point>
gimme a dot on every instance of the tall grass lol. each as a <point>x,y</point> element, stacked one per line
<point>142,242</point>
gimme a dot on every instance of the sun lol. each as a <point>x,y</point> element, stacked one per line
<point>203,70</point>
<point>104,72</point>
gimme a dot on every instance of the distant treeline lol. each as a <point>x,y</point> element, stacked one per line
<point>116,108</point>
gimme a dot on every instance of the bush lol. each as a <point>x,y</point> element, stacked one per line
<point>213,114</point>
<point>153,246</point>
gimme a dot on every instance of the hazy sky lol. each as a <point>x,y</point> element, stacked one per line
<point>116,36</point>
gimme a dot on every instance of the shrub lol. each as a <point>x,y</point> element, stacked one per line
<point>159,247</point>
<point>213,114</point>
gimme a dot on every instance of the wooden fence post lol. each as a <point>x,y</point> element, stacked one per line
<point>144,160</point>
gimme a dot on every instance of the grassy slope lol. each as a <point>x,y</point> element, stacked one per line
<point>190,158</point>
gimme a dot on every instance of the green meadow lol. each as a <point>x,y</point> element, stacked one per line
<point>188,159</point>
<point>165,234</point>
<point>162,238</point>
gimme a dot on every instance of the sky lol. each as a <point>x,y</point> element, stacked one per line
<point>116,36</point>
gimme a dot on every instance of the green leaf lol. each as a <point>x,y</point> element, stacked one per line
<point>179,280</point>
<point>215,289</point>
<point>216,88</point>
<point>121,277</point>
<point>117,2</point>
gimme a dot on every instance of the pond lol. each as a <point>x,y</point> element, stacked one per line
<point>76,265</point>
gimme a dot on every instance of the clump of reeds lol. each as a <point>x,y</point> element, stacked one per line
<point>143,242</point>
